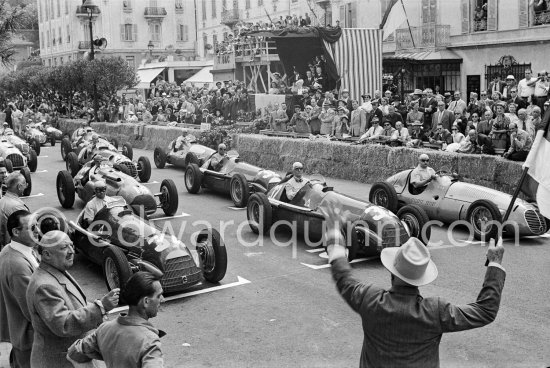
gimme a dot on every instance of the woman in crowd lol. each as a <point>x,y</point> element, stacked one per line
<point>473,122</point>
<point>458,137</point>
<point>499,133</point>
<point>512,113</point>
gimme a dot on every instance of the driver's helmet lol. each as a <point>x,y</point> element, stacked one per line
<point>8,131</point>
<point>98,160</point>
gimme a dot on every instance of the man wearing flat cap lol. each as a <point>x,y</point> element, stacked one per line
<point>400,327</point>
<point>96,203</point>
<point>57,305</point>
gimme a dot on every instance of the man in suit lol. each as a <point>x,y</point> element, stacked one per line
<point>428,105</point>
<point>358,122</point>
<point>279,118</point>
<point>17,264</point>
<point>16,185</point>
<point>515,99</point>
<point>57,306</point>
<point>445,117</point>
<point>441,136</point>
<point>458,104</point>
<point>346,99</point>
<point>402,329</point>
<point>497,85</point>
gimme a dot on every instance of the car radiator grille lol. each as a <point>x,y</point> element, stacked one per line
<point>389,236</point>
<point>180,273</point>
<point>16,160</point>
<point>130,167</point>
<point>535,221</point>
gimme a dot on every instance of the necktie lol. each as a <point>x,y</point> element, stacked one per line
<point>440,116</point>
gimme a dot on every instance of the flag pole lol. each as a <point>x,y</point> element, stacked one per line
<point>514,197</point>
<point>408,24</point>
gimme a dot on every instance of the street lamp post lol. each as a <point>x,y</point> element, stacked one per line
<point>151,46</point>
<point>90,7</point>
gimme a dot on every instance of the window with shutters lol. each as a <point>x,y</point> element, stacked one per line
<point>179,6</point>
<point>348,15</point>
<point>214,10</point>
<point>128,32</point>
<point>127,5</point>
<point>60,36</point>
<point>492,15</point>
<point>479,15</point>
<point>48,39</point>
<point>53,36</point>
<point>203,9</point>
<point>68,34</point>
<point>429,11</point>
<point>155,31</point>
<point>131,60</point>
<point>247,4</point>
<point>182,33</point>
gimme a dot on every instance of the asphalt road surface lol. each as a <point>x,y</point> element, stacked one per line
<point>278,307</point>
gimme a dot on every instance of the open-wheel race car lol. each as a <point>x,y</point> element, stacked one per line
<point>17,154</point>
<point>371,227</point>
<point>191,153</point>
<point>124,243</point>
<point>137,195</point>
<point>447,199</point>
<point>236,178</point>
<point>80,142</point>
<point>42,133</point>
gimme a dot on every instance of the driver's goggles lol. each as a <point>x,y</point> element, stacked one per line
<point>100,190</point>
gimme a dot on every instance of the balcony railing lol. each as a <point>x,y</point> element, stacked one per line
<point>155,12</point>
<point>231,17</point>
<point>84,45</point>
<point>83,12</point>
<point>429,36</point>
<point>226,56</point>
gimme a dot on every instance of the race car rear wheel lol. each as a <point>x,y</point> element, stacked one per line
<point>116,269</point>
<point>127,150</point>
<point>159,157</point>
<point>65,189</point>
<point>259,213</point>
<point>481,212</point>
<point>65,147</point>
<point>383,194</point>
<point>114,142</point>
<point>72,163</point>
<point>35,145</point>
<point>9,165</point>
<point>191,158</point>
<point>239,191</point>
<point>52,141</point>
<point>33,161</point>
<point>27,174</point>
<point>169,197</point>
<point>144,169</point>
<point>193,178</point>
<point>213,254</point>
<point>415,218</point>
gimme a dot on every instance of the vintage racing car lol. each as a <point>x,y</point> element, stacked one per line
<point>17,153</point>
<point>42,132</point>
<point>79,142</point>
<point>194,153</point>
<point>371,229</point>
<point>143,247</point>
<point>236,178</point>
<point>447,199</point>
<point>136,195</point>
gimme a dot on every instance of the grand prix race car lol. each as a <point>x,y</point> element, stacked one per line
<point>41,133</point>
<point>143,247</point>
<point>79,142</point>
<point>136,195</point>
<point>193,153</point>
<point>17,154</point>
<point>447,199</point>
<point>236,178</point>
<point>372,227</point>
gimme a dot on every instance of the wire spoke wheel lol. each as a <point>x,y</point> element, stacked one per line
<point>111,274</point>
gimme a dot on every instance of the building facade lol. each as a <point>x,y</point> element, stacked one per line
<point>128,26</point>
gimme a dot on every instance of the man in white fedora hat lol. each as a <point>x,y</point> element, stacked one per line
<point>401,328</point>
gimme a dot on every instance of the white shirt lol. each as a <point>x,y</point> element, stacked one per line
<point>524,90</point>
<point>94,206</point>
<point>541,88</point>
<point>293,186</point>
<point>26,252</point>
<point>419,174</point>
<point>402,134</point>
<point>373,132</point>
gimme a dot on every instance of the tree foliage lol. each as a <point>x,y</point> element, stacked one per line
<point>109,75</point>
<point>12,18</point>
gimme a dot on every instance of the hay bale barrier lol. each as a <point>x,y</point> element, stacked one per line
<point>363,163</point>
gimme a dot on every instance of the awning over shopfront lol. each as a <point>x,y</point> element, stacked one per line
<point>146,76</point>
<point>202,76</point>
<point>440,56</point>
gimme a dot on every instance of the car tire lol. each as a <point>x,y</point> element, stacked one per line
<point>116,269</point>
<point>9,165</point>
<point>65,148</point>
<point>193,178</point>
<point>127,150</point>
<point>239,190</point>
<point>383,194</point>
<point>191,158</point>
<point>169,198</point>
<point>259,214</point>
<point>416,219</point>
<point>35,144</point>
<point>213,254</point>
<point>52,141</point>
<point>33,161</point>
<point>114,142</point>
<point>123,168</point>
<point>72,163</point>
<point>65,189</point>
<point>482,208</point>
<point>27,174</point>
<point>144,169</point>
<point>159,157</point>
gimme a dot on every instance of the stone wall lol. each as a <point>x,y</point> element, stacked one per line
<point>363,163</point>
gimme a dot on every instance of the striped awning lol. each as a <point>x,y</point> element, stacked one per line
<point>427,55</point>
<point>358,58</point>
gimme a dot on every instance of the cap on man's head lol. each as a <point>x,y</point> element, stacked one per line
<point>100,184</point>
<point>297,165</point>
<point>345,90</point>
<point>54,238</point>
<point>511,77</point>
<point>388,92</point>
<point>222,145</point>
<point>375,119</point>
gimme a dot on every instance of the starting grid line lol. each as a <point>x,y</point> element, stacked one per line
<point>33,195</point>
<point>240,281</point>
<point>183,214</point>
<point>151,182</point>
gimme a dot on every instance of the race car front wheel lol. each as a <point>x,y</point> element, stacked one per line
<point>65,148</point>
<point>383,194</point>
<point>239,191</point>
<point>116,269</point>
<point>65,189</point>
<point>144,169</point>
<point>159,157</point>
<point>72,163</point>
<point>259,213</point>
<point>27,174</point>
<point>52,141</point>
<point>169,197</point>
<point>191,158</point>
<point>127,150</point>
<point>35,145</point>
<point>193,179</point>
<point>484,218</point>
<point>415,218</point>
<point>33,161</point>
<point>211,250</point>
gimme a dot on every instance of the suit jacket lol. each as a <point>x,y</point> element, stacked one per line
<point>522,104</point>
<point>403,329</point>
<point>59,315</point>
<point>444,136</point>
<point>459,105</point>
<point>15,321</point>
<point>425,105</point>
<point>500,87</point>
<point>447,119</point>
<point>9,204</point>
<point>484,145</point>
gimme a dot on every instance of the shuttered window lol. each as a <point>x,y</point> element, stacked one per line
<point>128,32</point>
<point>492,15</point>
<point>465,10</point>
